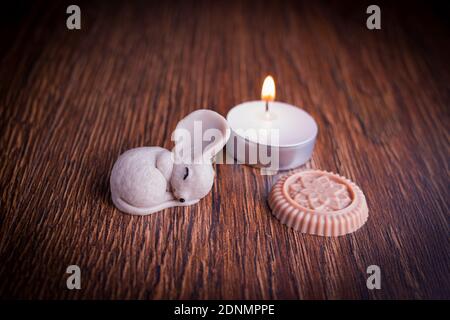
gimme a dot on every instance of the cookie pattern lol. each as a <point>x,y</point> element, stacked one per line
<point>317,191</point>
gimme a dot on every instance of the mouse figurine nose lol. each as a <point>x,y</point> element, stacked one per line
<point>182,200</point>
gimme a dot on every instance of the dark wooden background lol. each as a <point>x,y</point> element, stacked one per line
<point>72,101</point>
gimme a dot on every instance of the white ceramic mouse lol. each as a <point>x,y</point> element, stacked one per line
<point>149,179</point>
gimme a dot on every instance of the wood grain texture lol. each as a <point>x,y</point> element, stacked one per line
<point>72,101</point>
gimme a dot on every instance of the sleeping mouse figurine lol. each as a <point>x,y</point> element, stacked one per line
<point>149,179</point>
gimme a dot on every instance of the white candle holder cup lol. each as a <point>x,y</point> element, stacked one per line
<point>269,159</point>
<point>276,140</point>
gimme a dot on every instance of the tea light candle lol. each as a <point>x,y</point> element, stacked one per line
<point>282,130</point>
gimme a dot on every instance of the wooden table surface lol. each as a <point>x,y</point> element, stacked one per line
<point>72,101</point>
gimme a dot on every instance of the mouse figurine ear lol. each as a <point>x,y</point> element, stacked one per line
<point>200,136</point>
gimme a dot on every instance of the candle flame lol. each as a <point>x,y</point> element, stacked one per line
<point>268,89</point>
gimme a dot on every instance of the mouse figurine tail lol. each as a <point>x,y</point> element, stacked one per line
<point>124,206</point>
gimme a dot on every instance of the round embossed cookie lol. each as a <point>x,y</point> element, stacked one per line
<point>319,202</point>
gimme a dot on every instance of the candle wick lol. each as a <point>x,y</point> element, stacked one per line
<point>267,114</point>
